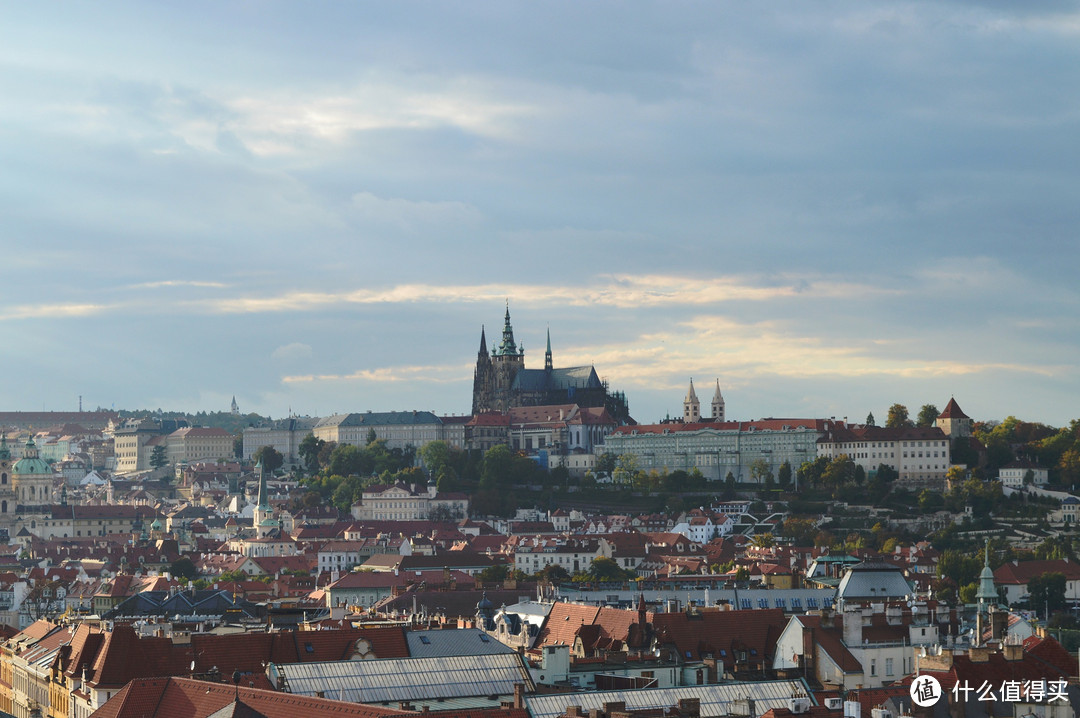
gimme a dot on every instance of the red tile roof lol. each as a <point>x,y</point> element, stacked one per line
<point>563,622</point>
<point>1020,572</point>
<point>754,631</point>
<point>187,698</point>
<point>953,411</point>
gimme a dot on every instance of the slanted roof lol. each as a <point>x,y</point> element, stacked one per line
<point>953,411</point>
<point>407,679</point>
<point>186,698</point>
<point>720,633</point>
<point>453,642</point>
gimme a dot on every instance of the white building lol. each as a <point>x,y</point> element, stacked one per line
<point>921,456</point>
<point>401,502</point>
<point>1012,474</point>
<point>284,435</point>
<point>717,448</point>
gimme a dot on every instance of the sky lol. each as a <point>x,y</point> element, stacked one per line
<point>825,207</point>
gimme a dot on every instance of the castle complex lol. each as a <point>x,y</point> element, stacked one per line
<point>501,382</point>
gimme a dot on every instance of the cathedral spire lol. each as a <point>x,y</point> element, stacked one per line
<point>508,346</point>
<point>691,406</point>
<point>718,404</point>
<point>547,355</point>
<point>483,341</point>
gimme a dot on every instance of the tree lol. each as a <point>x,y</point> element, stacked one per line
<point>605,464</point>
<point>606,569</point>
<point>760,471</point>
<point>349,460</point>
<point>765,540</point>
<point>870,419</point>
<point>783,475</point>
<point>498,463</point>
<point>729,487</point>
<point>309,451</point>
<point>238,447</point>
<point>1069,466</point>
<point>1046,593</point>
<point>928,414</point>
<point>839,472</point>
<point>158,457</point>
<point>435,455</point>
<point>271,458</point>
<point>553,573</point>
<point>800,531</point>
<point>898,417</point>
<point>626,470</point>
<point>184,567</point>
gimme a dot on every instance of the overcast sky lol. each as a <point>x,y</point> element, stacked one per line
<point>828,207</point>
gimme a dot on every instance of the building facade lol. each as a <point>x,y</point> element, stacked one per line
<point>719,448</point>
<point>921,456</point>
<point>400,429</point>
<point>284,436</point>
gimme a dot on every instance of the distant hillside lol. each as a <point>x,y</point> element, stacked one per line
<point>233,423</point>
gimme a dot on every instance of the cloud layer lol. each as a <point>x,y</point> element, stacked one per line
<point>828,207</point>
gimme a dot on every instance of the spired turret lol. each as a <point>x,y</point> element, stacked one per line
<point>718,404</point>
<point>691,406</point>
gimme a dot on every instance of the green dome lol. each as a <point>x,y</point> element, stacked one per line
<point>31,465</point>
<point>156,526</point>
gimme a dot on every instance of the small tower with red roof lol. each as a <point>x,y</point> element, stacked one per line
<point>953,421</point>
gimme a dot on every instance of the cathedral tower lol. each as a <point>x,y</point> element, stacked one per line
<point>718,404</point>
<point>691,406</point>
<point>506,361</point>
<point>483,379</point>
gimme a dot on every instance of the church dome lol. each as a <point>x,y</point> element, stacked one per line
<point>31,464</point>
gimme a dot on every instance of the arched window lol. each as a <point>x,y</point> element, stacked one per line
<point>3,478</point>
<point>3,507</point>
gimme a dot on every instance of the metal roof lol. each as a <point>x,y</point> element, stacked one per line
<point>405,679</point>
<point>716,700</point>
<point>453,642</point>
<point>869,580</point>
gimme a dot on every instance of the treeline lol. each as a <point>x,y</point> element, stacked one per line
<point>1012,439</point>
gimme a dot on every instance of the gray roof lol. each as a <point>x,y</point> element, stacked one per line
<point>406,679</point>
<point>716,700</point>
<point>873,581</point>
<point>575,377</point>
<point>380,418</point>
<point>459,642</point>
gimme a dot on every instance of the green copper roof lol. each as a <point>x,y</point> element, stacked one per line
<point>508,347</point>
<point>30,466</point>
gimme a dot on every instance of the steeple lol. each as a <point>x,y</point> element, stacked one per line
<point>508,346</point>
<point>987,594</point>
<point>547,355</point>
<point>483,342</point>
<point>691,406</point>
<point>264,493</point>
<point>5,452</point>
<point>718,404</point>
